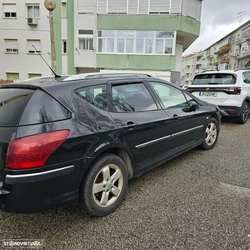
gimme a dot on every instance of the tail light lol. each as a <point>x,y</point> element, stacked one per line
<point>33,151</point>
<point>234,91</point>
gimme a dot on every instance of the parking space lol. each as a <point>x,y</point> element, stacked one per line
<point>201,200</point>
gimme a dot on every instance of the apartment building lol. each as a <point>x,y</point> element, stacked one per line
<point>25,33</point>
<point>191,65</point>
<point>230,52</point>
<point>98,35</point>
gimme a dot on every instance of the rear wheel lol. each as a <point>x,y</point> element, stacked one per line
<point>104,187</point>
<point>211,134</point>
<point>243,117</point>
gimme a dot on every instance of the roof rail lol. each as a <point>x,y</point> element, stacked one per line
<point>242,68</point>
<point>103,75</point>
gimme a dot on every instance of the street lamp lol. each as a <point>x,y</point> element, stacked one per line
<point>50,5</point>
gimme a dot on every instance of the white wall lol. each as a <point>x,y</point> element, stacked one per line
<point>192,8</point>
<point>17,28</point>
<point>178,52</point>
<point>85,22</point>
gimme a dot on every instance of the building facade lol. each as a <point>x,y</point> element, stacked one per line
<point>97,35</point>
<point>230,52</point>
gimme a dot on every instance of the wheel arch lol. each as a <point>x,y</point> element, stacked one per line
<point>247,99</point>
<point>118,151</point>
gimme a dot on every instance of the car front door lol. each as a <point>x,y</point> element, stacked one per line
<point>143,123</point>
<point>187,125</point>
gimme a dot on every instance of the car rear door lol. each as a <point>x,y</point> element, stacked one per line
<point>186,126</point>
<point>143,125</point>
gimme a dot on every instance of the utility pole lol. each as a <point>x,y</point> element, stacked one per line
<point>50,5</point>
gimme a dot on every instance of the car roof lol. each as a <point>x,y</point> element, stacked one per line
<point>51,83</point>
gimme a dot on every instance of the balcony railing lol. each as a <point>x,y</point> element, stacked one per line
<point>224,49</point>
<point>244,54</point>
<point>246,35</point>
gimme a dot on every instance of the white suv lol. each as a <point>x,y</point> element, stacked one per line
<point>228,89</point>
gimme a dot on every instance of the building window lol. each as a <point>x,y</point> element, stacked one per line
<point>86,39</point>
<point>11,46</point>
<point>136,42</point>
<point>131,6</point>
<point>86,43</point>
<point>34,46</point>
<point>33,11</point>
<point>34,75</point>
<point>86,6</point>
<point>12,76</point>
<point>64,10</point>
<point>64,46</point>
<point>9,10</point>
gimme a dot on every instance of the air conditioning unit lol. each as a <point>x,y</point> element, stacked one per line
<point>32,21</point>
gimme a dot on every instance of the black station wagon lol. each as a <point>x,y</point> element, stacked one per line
<point>78,140</point>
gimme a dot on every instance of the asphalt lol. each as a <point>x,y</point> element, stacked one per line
<point>201,200</point>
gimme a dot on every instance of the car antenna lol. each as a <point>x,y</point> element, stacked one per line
<point>56,76</point>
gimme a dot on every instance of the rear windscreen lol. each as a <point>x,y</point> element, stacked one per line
<point>43,108</point>
<point>12,105</point>
<point>214,79</point>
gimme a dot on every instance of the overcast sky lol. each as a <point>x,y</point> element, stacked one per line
<point>218,18</point>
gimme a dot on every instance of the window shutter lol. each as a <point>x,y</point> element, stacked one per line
<point>9,7</point>
<point>117,6</point>
<point>85,6</point>
<point>143,6</point>
<point>11,43</point>
<point>175,7</point>
<point>132,6</point>
<point>160,5</point>
<point>36,43</point>
<point>102,6</point>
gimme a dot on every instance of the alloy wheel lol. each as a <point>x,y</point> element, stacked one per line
<point>107,185</point>
<point>211,134</point>
<point>245,112</point>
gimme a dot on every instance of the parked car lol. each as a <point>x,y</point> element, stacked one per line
<point>78,140</point>
<point>229,89</point>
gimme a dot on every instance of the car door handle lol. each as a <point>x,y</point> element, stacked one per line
<point>175,117</point>
<point>130,124</point>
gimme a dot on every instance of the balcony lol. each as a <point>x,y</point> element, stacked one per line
<point>244,54</point>
<point>224,49</point>
<point>246,35</point>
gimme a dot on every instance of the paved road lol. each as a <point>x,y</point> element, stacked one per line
<point>199,201</point>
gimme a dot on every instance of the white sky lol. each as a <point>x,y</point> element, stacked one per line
<point>219,17</point>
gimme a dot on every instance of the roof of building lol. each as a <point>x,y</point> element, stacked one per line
<point>247,22</point>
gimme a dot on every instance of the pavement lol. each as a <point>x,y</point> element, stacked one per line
<point>201,200</point>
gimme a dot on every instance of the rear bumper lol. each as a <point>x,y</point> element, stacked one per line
<point>40,191</point>
<point>230,110</point>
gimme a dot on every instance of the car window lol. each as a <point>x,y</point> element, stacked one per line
<point>95,95</point>
<point>132,98</point>
<point>214,79</point>
<point>12,104</point>
<point>170,96</point>
<point>43,108</point>
<point>246,77</point>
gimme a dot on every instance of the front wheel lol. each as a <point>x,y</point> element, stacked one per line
<point>104,187</point>
<point>210,135</point>
<point>243,117</point>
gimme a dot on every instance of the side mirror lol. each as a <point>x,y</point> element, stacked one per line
<point>193,107</point>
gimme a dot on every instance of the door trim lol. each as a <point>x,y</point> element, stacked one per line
<point>167,137</point>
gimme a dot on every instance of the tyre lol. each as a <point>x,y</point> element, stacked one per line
<point>243,117</point>
<point>104,186</point>
<point>211,134</point>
